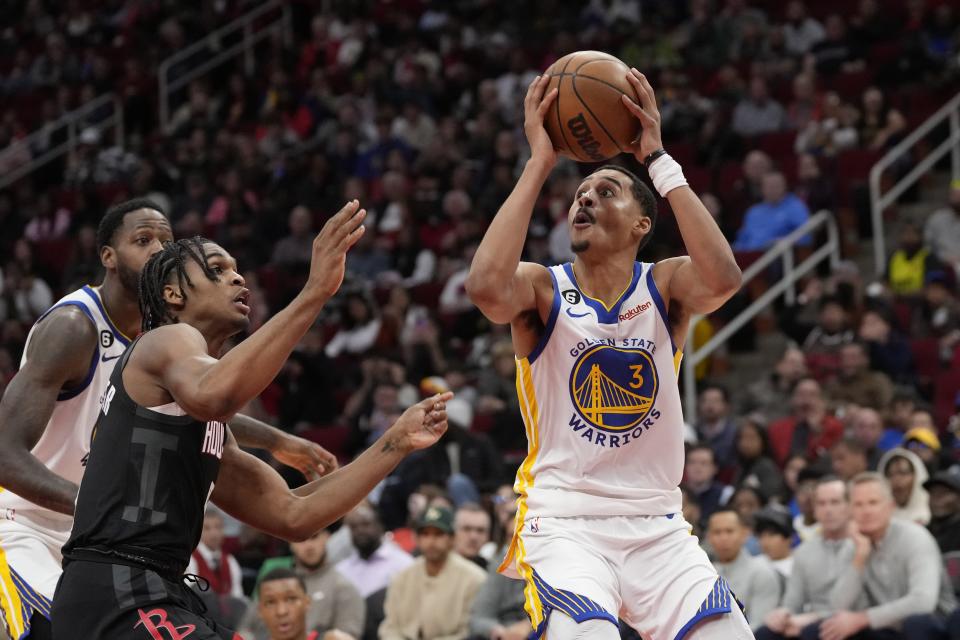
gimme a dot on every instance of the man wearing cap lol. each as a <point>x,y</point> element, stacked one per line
<point>817,563</point>
<point>944,490</point>
<point>773,527</point>
<point>432,598</point>
<point>924,442</point>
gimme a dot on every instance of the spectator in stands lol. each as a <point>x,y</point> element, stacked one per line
<point>770,395</point>
<point>909,265</point>
<point>856,384</point>
<point>922,439</point>
<point>906,474</point>
<point>296,249</point>
<point>866,427</point>
<point>282,603</point>
<point>682,117</point>
<point>823,343</point>
<point>813,186</point>
<point>715,425</point>
<point>837,52</point>
<point>374,563</point>
<point>758,112</point>
<point>810,430</point>
<point>471,533</point>
<point>700,478</point>
<point>888,349</point>
<point>944,491</point>
<point>498,611</point>
<point>938,314</point>
<point>24,296</point>
<point>848,459</point>
<point>805,105</point>
<point>753,579</point>
<point>802,504</point>
<point>895,577</point>
<point>801,31</point>
<point>777,216</point>
<point>433,597</point>
<point>833,132</point>
<point>360,326</point>
<point>941,233</point>
<point>816,567</point>
<point>691,511</point>
<point>211,562</point>
<point>747,501</point>
<point>755,465</point>
<point>333,602</point>
<point>880,125</point>
<point>773,527</point>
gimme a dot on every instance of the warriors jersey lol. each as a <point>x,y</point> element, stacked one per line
<point>601,406</point>
<point>65,442</point>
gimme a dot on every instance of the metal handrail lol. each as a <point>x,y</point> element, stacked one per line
<point>879,201</point>
<point>245,22</point>
<point>70,120</point>
<point>782,250</point>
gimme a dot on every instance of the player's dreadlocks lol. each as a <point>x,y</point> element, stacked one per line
<point>156,274</point>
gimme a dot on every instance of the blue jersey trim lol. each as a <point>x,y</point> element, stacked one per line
<point>578,607</point>
<point>30,600</point>
<point>551,321</point>
<point>604,315</point>
<point>67,394</point>
<point>719,601</point>
<point>106,317</point>
<point>661,306</point>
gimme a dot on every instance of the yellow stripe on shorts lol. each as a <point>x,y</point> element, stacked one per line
<point>10,600</point>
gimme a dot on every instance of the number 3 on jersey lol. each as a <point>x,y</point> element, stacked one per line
<point>637,382</point>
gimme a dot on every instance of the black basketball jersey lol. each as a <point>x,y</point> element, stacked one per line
<point>147,482</point>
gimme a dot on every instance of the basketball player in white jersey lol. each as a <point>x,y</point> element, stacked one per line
<point>599,530</point>
<point>49,409</point>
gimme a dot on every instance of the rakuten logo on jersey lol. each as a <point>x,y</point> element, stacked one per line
<point>637,310</point>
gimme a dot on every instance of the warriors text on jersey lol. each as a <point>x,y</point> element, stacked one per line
<point>65,442</point>
<point>601,406</point>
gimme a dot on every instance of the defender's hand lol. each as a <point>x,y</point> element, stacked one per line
<point>420,426</point>
<point>647,113</point>
<point>309,458</point>
<point>535,106</point>
<point>329,261</point>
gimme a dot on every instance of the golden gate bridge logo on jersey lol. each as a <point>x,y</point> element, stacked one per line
<point>614,390</point>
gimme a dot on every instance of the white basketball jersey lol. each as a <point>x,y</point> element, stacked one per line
<point>65,443</point>
<point>601,406</point>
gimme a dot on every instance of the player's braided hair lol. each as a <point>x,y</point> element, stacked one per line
<point>156,274</point>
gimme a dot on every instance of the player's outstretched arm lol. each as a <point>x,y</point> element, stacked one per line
<point>254,493</point>
<point>176,355</point>
<point>58,357</point>
<point>498,283</point>
<point>707,278</point>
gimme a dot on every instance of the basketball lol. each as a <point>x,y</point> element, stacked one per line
<point>588,122</point>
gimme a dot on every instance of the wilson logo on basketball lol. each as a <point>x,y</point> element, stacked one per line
<point>580,130</point>
<point>637,310</point>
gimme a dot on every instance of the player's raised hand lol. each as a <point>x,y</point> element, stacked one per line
<point>647,113</point>
<point>535,106</point>
<point>420,426</point>
<point>330,247</point>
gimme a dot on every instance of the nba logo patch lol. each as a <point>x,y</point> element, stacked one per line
<point>614,388</point>
<point>535,525</point>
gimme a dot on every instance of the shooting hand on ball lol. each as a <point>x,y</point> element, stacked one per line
<point>535,106</point>
<point>647,113</point>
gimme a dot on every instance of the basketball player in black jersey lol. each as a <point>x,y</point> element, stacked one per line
<point>161,447</point>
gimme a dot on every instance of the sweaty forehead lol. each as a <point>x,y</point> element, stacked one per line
<point>281,587</point>
<point>146,218</point>
<point>609,175</point>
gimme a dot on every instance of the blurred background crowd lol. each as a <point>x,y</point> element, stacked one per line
<point>776,110</point>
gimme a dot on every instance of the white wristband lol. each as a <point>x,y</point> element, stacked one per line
<point>666,174</point>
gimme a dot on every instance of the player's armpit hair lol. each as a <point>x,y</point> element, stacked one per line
<point>156,273</point>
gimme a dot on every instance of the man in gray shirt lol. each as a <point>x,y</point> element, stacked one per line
<point>895,585</point>
<point>816,565</point>
<point>753,580</point>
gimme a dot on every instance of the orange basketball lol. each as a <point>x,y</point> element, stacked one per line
<point>587,121</point>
